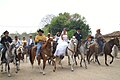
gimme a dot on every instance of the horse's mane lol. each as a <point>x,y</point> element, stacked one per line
<point>111,41</point>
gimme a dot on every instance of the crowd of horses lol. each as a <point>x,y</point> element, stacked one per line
<point>47,51</point>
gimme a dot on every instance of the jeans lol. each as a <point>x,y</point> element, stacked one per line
<point>39,44</point>
<point>3,53</point>
<point>101,45</point>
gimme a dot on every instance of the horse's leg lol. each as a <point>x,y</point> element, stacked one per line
<point>96,58</point>
<point>44,63</point>
<point>106,59</point>
<point>69,60</point>
<point>112,58</point>
<point>2,67</point>
<point>72,62</point>
<point>81,62</point>
<point>85,63</point>
<point>75,60</point>
<point>60,63</point>
<point>54,65</point>
<point>5,66</point>
<point>88,57</point>
<point>83,58</point>
<point>39,61</point>
<point>9,70</point>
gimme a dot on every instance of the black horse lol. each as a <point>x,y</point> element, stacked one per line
<point>108,49</point>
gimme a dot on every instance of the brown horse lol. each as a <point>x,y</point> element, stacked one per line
<point>108,49</point>
<point>93,50</point>
<point>44,54</point>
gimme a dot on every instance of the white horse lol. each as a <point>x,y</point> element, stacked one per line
<point>71,49</point>
<point>9,58</point>
<point>115,51</point>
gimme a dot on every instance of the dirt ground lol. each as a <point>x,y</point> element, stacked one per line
<point>94,72</point>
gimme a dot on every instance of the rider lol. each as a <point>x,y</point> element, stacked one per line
<point>78,36</point>
<point>49,36</point>
<point>24,42</point>
<point>57,36</point>
<point>89,42</point>
<point>62,44</point>
<point>30,40</point>
<point>16,42</point>
<point>4,39</point>
<point>39,39</point>
<point>100,40</point>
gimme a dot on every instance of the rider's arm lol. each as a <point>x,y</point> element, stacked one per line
<point>10,39</point>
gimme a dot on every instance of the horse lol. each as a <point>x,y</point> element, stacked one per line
<point>82,51</point>
<point>94,50</point>
<point>115,51</point>
<point>19,54</point>
<point>26,50</point>
<point>108,49</point>
<point>44,54</point>
<point>71,49</point>
<point>9,59</point>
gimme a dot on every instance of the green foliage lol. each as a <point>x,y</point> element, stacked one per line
<point>70,22</point>
<point>70,33</point>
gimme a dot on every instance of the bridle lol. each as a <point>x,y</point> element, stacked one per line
<point>73,51</point>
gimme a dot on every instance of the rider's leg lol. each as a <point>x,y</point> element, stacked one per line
<point>38,48</point>
<point>3,54</point>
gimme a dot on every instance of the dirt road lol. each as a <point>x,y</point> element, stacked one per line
<point>94,72</point>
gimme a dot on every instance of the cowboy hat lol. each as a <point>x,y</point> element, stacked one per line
<point>39,30</point>
<point>97,30</point>
<point>6,32</point>
<point>30,34</point>
<point>78,28</point>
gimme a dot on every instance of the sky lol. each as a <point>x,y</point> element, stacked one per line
<point>25,15</point>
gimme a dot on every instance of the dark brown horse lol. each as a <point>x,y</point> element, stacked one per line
<point>108,49</point>
<point>44,54</point>
<point>94,50</point>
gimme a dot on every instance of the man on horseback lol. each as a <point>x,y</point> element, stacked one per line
<point>89,42</point>
<point>5,39</point>
<point>16,44</point>
<point>78,36</point>
<point>100,40</point>
<point>39,39</point>
<point>30,41</point>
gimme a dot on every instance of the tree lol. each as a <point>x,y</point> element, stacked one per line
<point>46,20</point>
<point>70,22</point>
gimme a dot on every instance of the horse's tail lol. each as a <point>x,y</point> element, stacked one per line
<point>32,55</point>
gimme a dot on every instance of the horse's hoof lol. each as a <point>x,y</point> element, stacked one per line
<point>43,73</point>
<point>85,67</point>
<point>107,65</point>
<point>81,66</point>
<point>99,64</point>
<point>1,70</point>
<point>110,62</point>
<point>9,75</point>
<point>53,70</point>
<point>72,70</point>
<point>18,69</point>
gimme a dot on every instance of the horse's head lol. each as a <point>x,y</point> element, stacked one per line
<point>74,40</point>
<point>7,44</point>
<point>20,49</point>
<point>116,41</point>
